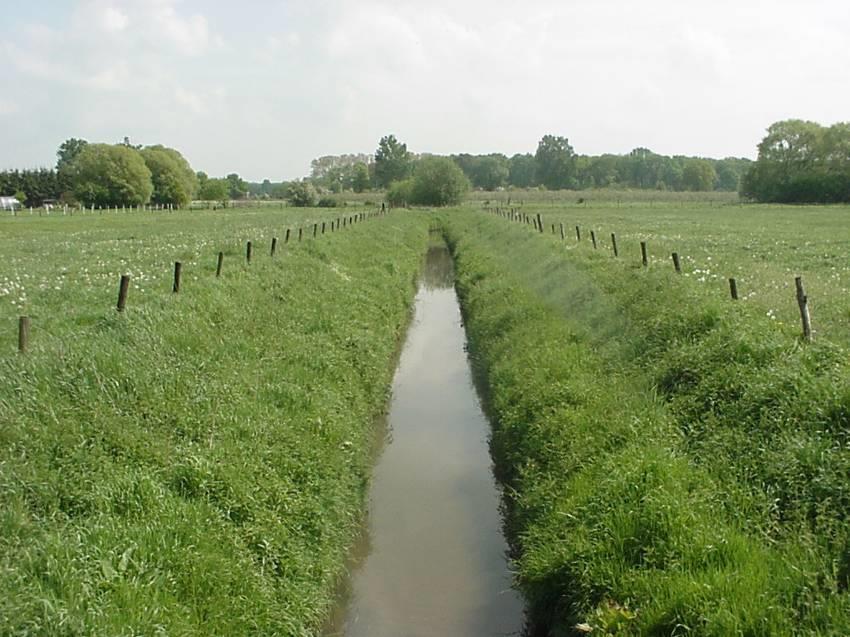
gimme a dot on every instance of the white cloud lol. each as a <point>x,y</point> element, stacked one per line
<point>263,87</point>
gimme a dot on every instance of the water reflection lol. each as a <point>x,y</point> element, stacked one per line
<point>437,564</point>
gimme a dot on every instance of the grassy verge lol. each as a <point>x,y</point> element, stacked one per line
<point>673,464</point>
<point>198,465</point>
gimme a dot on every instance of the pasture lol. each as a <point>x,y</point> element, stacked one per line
<point>200,463</point>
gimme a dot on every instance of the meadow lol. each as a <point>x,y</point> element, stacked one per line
<point>197,464</point>
<point>762,246</point>
<point>674,462</point>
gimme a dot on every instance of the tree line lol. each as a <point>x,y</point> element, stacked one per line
<point>123,174</point>
<point>801,162</point>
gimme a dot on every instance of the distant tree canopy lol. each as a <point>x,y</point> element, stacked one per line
<point>302,194</point>
<point>109,175</point>
<point>801,162</point>
<point>174,181</point>
<point>555,163</point>
<point>393,162</point>
<point>436,181</point>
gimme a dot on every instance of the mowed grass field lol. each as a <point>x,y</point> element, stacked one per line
<point>197,465</point>
<point>763,247</point>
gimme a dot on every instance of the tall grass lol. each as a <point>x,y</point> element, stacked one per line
<point>673,463</point>
<point>198,465</point>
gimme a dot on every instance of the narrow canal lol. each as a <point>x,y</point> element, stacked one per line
<point>434,559</point>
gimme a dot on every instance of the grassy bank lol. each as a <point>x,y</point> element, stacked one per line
<point>674,463</point>
<point>198,465</point>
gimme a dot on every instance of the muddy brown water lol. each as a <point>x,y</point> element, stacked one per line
<point>433,559</point>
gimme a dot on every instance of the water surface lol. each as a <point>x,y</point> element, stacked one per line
<point>433,559</point>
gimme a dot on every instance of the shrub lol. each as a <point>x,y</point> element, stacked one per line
<point>301,194</point>
<point>327,202</point>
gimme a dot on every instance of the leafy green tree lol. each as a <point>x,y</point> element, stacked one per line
<point>69,149</point>
<point>491,172</point>
<point>214,190</point>
<point>698,175</point>
<point>555,163</point>
<point>438,181</point>
<point>393,162</point>
<point>301,194</point>
<point>107,175</point>
<point>521,170</point>
<point>801,162</point>
<point>360,181</point>
<point>174,181</point>
<point>237,186</point>
<point>400,193</point>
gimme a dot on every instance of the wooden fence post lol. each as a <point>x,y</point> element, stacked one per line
<point>593,238</point>
<point>178,269</point>
<point>614,244</point>
<point>562,232</point>
<point>23,333</point>
<point>803,302</point>
<point>286,239</point>
<point>123,288</point>
<point>578,233</point>
<point>733,289</point>
<point>248,252</point>
<point>643,256</point>
<point>676,265</point>
<point>218,265</point>
<point>274,245</point>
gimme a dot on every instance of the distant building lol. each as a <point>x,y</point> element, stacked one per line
<point>9,203</point>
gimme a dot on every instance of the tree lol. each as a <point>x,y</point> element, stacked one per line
<point>237,186</point>
<point>106,175</point>
<point>360,179</point>
<point>801,162</point>
<point>301,194</point>
<point>69,149</point>
<point>490,172</point>
<point>438,181</point>
<point>393,162</point>
<point>174,181</point>
<point>555,163</point>
<point>698,175</point>
<point>521,170</point>
<point>214,190</point>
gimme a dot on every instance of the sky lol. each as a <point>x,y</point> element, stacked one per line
<point>262,87</point>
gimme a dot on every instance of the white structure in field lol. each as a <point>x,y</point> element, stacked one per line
<point>9,203</point>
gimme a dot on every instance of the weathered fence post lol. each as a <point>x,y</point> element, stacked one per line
<point>274,245</point>
<point>218,265</point>
<point>248,249</point>
<point>178,269</point>
<point>286,239</point>
<point>803,302</point>
<point>23,333</point>
<point>562,232</point>
<point>315,229</point>
<point>733,288</point>
<point>300,232</point>
<point>676,265</point>
<point>614,244</point>
<point>123,288</point>
<point>643,257</point>
<point>593,238</point>
<point>578,233</point>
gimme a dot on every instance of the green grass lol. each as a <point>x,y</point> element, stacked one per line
<point>674,462</point>
<point>197,465</point>
<point>762,246</point>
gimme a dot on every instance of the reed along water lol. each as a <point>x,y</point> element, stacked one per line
<point>433,559</point>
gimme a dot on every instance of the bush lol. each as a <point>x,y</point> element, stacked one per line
<point>301,194</point>
<point>438,181</point>
<point>327,202</point>
<point>400,193</point>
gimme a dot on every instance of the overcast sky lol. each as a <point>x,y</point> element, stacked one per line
<point>261,87</point>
